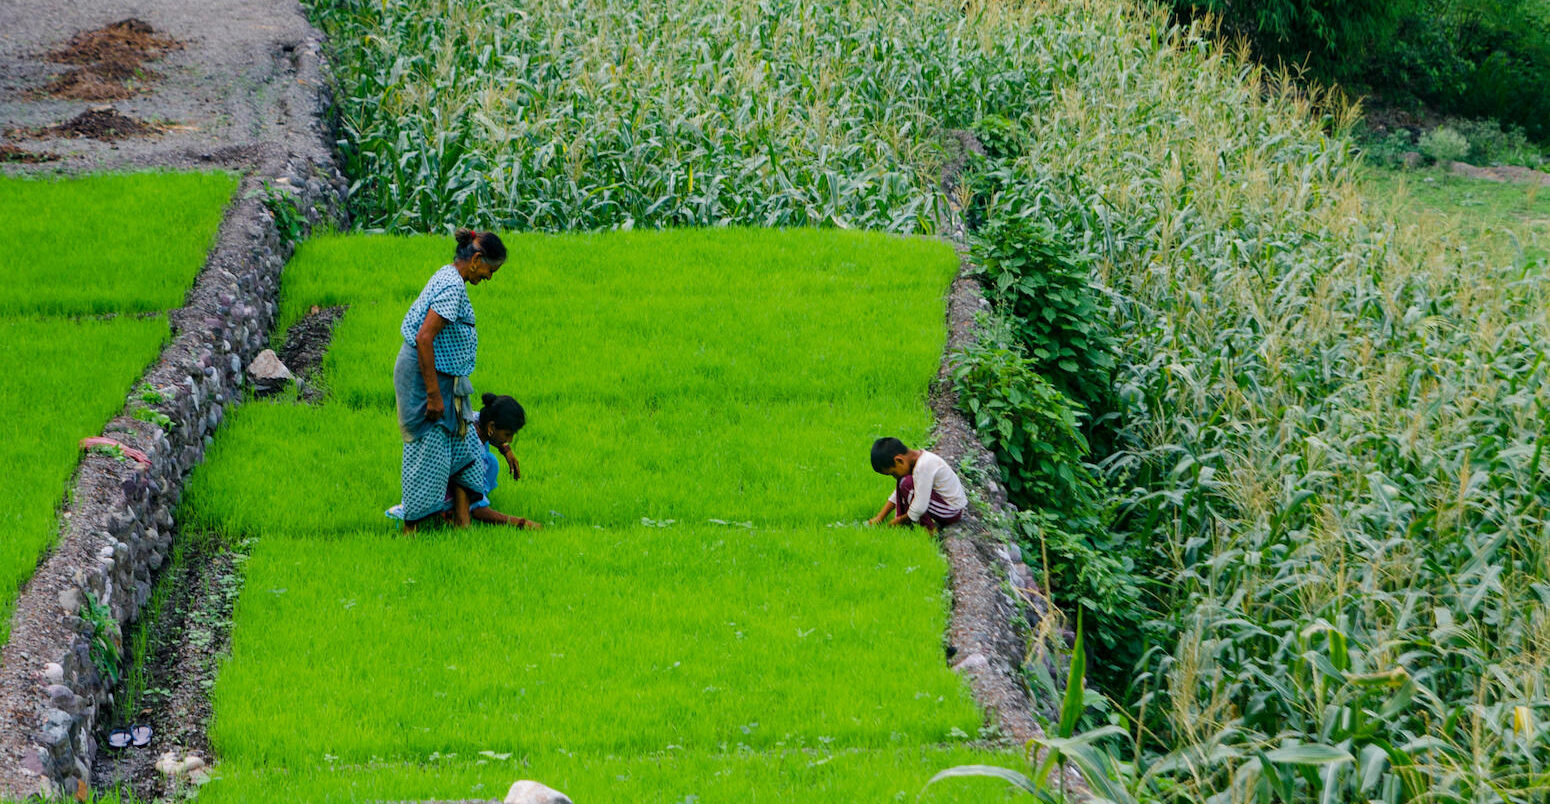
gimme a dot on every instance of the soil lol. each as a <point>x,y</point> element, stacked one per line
<point>13,154</point>
<point>1502,173</point>
<point>230,73</point>
<point>186,641</point>
<point>100,123</point>
<point>107,80</point>
<point>131,40</point>
<point>305,344</point>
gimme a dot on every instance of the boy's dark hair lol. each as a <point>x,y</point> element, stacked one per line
<point>503,412</point>
<point>884,450</point>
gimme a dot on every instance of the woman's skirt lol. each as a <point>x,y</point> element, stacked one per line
<point>437,453</point>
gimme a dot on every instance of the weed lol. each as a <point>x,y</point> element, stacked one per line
<point>288,218</point>
<point>1444,144</point>
<point>153,416</point>
<point>106,640</point>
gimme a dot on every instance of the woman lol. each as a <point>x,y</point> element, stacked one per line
<point>431,383</point>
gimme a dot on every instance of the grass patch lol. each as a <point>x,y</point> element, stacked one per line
<point>67,379</point>
<point>1503,217</point>
<point>819,776</point>
<point>110,243</point>
<point>727,381</point>
<point>621,641</point>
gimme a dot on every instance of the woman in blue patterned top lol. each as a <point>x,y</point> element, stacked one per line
<point>430,381</point>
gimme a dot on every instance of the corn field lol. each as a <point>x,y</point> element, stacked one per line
<point>1332,426</point>
<point>615,114</point>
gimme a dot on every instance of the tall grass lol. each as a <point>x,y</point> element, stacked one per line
<point>620,113</point>
<point>1333,433</point>
<point>700,603</point>
<point>106,243</point>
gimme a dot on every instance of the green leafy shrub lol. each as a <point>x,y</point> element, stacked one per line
<point>1001,136</point>
<point>1491,143</point>
<point>1387,150</point>
<point>1032,428</point>
<point>1444,144</point>
<point>1038,281</point>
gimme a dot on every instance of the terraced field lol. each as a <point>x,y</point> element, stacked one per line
<point>700,619</point>
<point>90,265</point>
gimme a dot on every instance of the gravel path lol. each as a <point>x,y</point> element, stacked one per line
<point>232,88</point>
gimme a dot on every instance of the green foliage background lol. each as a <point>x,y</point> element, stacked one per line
<point>1475,58</point>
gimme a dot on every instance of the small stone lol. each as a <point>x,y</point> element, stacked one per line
<point>268,373</point>
<point>63,697</point>
<point>70,599</point>
<point>54,673</point>
<point>32,764</point>
<point>1412,159</point>
<point>974,661</point>
<point>55,735</point>
<point>1015,552</point>
<point>530,792</point>
<point>167,764</point>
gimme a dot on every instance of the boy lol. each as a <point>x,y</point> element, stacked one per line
<point>943,502</point>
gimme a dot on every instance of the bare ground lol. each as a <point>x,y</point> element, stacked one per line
<point>186,639</point>
<point>227,80</point>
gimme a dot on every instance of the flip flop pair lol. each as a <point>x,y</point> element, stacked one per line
<point>138,735</point>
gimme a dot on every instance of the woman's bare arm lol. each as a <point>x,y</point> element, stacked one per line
<point>425,350</point>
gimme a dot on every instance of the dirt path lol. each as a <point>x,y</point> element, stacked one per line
<point>231,87</point>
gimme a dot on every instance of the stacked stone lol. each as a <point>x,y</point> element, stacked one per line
<point>123,518</point>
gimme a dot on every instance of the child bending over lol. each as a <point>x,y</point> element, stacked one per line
<point>926,489</point>
<point>495,425</point>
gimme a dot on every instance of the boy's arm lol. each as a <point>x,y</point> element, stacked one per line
<point>883,514</point>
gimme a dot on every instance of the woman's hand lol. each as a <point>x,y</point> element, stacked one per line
<point>511,462</point>
<point>434,407</point>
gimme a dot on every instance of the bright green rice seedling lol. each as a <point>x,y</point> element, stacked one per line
<point>113,243</point>
<point>700,616</point>
<point>67,378</point>
<point>812,776</point>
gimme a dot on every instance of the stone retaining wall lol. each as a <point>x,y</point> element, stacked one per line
<point>118,529</point>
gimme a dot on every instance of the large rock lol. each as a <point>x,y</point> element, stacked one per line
<point>268,373</point>
<point>530,792</point>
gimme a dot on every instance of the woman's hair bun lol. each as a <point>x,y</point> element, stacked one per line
<point>464,237</point>
<point>488,399</point>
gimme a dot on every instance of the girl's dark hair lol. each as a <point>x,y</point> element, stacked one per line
<point>470,242</point>
<point>503,412</point>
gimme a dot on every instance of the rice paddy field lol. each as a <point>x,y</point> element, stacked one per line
<point>701,617</point>
<point>71,250</point>
<point>1327,458</point>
